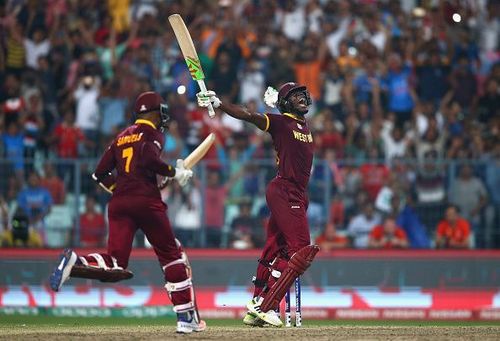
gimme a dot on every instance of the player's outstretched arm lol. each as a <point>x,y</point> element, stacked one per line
<point>205,98</point>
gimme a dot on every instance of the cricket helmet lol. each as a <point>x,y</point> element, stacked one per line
<point>284,93</point>
<point>151,101</point>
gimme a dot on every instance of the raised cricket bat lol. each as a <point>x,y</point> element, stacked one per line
<point>189,53</point>
<point>196,155</point>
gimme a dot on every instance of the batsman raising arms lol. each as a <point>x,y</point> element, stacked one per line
<point>136,203</point>
<point>287,252</point>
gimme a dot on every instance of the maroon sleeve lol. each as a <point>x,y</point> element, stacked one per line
<point>274,122</point>
<point>103,172</point>
<point>107,163</point>
<point>151,160</point>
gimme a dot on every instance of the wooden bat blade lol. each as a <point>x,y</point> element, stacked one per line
<point>187,47</point>
<point>196,155</point>
<point>189,52</point>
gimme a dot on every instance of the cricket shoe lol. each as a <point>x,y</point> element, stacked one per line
<point>63,270</point>
<point>253,320</point>
<point>186,323</point>
<point>270,317</point>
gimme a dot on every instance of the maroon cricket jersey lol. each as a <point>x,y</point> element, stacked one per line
<point>293,143</point>
<point>135,154</point>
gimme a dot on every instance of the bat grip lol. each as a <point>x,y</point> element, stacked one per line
<point>203,87</point>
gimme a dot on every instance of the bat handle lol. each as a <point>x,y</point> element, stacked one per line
<point>203,87</point>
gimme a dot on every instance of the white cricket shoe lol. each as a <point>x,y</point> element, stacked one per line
<point>186,323</point>
<point>270,317</point>
<point>253,320</point>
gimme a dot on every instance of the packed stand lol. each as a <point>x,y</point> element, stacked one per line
<point>405,121</point>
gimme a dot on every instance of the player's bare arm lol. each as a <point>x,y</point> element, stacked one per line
<point>237,111</point>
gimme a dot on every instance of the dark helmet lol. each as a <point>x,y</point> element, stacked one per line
<point>284,93</point>
<point>151,101</point>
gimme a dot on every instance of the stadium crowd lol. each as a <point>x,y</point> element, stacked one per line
<point>406,117</point>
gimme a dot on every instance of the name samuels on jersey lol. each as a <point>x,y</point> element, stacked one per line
<point>129,139</point>
<point>302,137</point>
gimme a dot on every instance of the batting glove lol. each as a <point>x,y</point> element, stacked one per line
<point>182,175</point>
<point>205,98</point>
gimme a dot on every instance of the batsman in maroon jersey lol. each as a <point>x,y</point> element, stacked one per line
<point>288,229</point>
<point>128,170</point>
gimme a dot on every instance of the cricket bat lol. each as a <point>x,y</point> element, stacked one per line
<point>196,155</point>
<point>189,53</point>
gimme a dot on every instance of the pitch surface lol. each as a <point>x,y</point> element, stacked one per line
<point>50,328</point>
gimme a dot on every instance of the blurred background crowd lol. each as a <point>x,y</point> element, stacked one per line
<point>405,118</point>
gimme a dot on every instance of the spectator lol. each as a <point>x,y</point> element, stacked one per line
<point>388,235</point>
<point>215,199</point>
<point>13,144</point>
<point>399,89</point>
<point>246,230</point>
<point>87,108</point>
<point>469,194</point>
<point>395,143</point>
<point>330,138</point>
<point>19,233</point>
<point>36,201</point>
<point>361,225</point>
<point>386,194</point>
<point>489,104</point>
<point>463,83</point>
<point>252,83</point>
<point>112,109</point>
<point>408,219</point>
<point>224,76</point>
<point>67,137</point>
<point>332,86</point>
<point>4,219</point>
<point>92,225</point>
<point>373,174</point>
<point>433,78</point>
<point>330,240</point>
<point>187,220</point>
<point>453,232</point>
<point>53,184</point>
<point>337,211</point>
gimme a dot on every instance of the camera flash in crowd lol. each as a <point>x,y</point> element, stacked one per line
<point>456,17</point>
<point>181,89</point>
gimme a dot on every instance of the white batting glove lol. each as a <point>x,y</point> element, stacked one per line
<point>182,175</point>
<point>205,98</point>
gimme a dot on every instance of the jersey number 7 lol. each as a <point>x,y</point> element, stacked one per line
<point>128,153</point>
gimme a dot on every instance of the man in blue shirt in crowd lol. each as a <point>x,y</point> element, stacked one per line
<point>35,202</point>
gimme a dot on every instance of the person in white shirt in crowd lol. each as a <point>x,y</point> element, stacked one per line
<point>361,225</point>
<point>87,107</point>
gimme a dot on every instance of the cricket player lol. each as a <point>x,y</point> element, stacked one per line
<point>287,252</point>
<point>134,156</point>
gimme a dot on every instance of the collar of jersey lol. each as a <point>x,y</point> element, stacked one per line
<point>295,117</point>
<point>147,122</point>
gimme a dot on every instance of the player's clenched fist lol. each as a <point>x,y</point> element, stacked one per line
<point>182,174</point>
<point>205,98</point>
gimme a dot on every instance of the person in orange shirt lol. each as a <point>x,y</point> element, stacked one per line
<point>453,232</point>
<point>388,235</point>
<point>330,239</point>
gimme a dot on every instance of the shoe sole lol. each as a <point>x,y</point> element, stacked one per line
<point>254,322</point>
<point>188,330</point>
<point>63,270</point>
<point>262,316</point>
